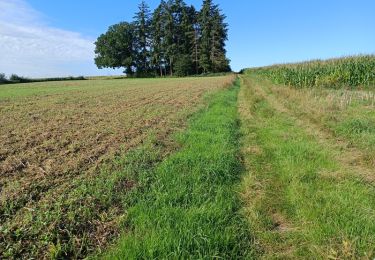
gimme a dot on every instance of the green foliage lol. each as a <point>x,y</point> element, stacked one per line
<point>214,33</point>
<point>17,79</point>
<point>115,48</point>
<point>158,59</point>
<point>3,79</point>
<point>142,24</point>
<point>156,42</point>
<point>183,66</point>
<point>351,72</point>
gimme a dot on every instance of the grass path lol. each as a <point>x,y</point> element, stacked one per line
<point>191,209</point>
<point>302,200</point>
<point>349,156</point>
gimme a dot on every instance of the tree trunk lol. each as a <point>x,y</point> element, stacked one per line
<point>196,53</point>
<point>171,67</point>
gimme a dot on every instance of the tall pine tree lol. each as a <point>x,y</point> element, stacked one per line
<point>219,34</point>
<point>142,40</point>
<point>158,37</point>
<point>214,33</point>
<point>186,37</point>
<point>205,25</point>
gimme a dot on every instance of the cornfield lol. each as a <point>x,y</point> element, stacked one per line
<point>353,72</point>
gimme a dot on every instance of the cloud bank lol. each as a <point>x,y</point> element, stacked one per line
<point>29,47</point>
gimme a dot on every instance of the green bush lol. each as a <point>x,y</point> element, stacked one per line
<point>17,79</point>
<point>3,78</point>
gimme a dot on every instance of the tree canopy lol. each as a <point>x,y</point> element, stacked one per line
<point>174,39</point>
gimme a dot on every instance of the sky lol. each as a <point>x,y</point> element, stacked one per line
<point>44,38</point>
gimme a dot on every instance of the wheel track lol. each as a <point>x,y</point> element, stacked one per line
<point>350,158</point>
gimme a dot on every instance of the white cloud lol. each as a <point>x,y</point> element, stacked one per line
<point>31,48</point>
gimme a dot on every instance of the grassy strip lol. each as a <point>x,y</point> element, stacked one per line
<point>342,114</point>
<point>301,203</point>
<point>190,210</point>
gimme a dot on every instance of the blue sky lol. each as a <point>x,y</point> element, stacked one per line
<point>261,32</point>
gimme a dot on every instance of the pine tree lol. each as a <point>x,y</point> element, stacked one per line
<point>169,46</point>
<point>214,33</point>
<point>205,37</point>
<point>186,38</point>
<point>142,26</point>
<point>158,37</point>
<point>219,34</point>
<point>193,33</point>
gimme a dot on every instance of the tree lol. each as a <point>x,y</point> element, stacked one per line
<point>188,41</point>
<point>157,39</point>
<point>219,34</point>
<point>205,37</point>
<point>115,48</point>
<point>3,78</point>
<point>175,39</point>
<point>142,25</point>
<point>214,33</point>
<point>192,32</point>
<point>170,44</point>
<point>183,65</point>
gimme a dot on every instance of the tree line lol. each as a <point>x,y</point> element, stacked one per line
<point>174,39</point>
<point>14,78</point>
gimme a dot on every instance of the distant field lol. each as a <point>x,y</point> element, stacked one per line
<point>57,136</point>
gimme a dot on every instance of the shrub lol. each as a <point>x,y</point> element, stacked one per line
<point>3,78</point>
<point>17,79</point>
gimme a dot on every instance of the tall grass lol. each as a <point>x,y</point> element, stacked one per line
<point>353,71</point>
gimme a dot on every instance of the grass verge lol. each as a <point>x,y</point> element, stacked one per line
<point>191,209</point>
<point>301,202</point>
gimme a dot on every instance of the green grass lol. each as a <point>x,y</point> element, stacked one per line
<point>355,71</point>
<point>357,125</point>
<point>302,203</point>
<point>347,115</point>
<point>191,209</point>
